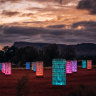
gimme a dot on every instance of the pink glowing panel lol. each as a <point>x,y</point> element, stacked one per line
<point>3,67</point>
<point>74,66</point>
<point>8,71</point>
<point>89,64</point>
<point>39,68</point>
<point>68,66</point>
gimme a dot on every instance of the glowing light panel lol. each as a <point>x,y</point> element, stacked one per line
<point>39,68</point>
<point>89,64</point>
<point>34,66</point>
<point>0,66</point>
<point>74,66</point>
<point>68,66</point>
<point>58,72</point>
<point>83,63</point>
<point>8,69</point>
<point>3,67</point>
<point>27,65</point>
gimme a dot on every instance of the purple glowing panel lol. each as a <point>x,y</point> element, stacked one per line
<point>8,69</point>
<point>74,66</point>
<point>68,66</point>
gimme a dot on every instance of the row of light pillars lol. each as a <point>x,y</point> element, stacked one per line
<point>36,66</point>
<point>61,67</point>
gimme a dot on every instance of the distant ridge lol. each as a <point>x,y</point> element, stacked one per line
<point>85,49</point>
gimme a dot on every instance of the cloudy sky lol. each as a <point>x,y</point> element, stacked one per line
<point>48,21</point>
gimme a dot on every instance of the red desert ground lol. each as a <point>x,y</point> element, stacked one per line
<point>82,82</point>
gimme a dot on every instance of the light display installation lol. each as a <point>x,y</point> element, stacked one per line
<point>3,67</point>
<point>89,64</point>
<point>27,65</point>
<point>74,66</point>
<point>34,66</point>
<point>84,64</point>
<point>8,69</point>
<point>68,66</point>
<point>0,66</point>
<point>39,68</point>
<point>59,72</point>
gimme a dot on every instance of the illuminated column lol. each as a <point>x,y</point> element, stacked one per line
<point>89,64</point>
<point>39,68</point>
<point>27,65</point>
<point>3,67</point>
<point>83,63</point>
<point>0,66</point>
<point>8,69</point>
<point>74,66</point>
<point>58,72</point>
<point>34,66</point>
<point>68,66</point>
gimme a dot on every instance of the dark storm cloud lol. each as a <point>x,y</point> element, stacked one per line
<point>56,26</point>
<point>34,34</point>
<point>86,24</point>
<point>88,4</point>
<point>10,13</point>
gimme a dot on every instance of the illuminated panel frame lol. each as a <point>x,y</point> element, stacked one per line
<point>69,67</point>
<point>3,67</point>
<point>8,69</point>
<point>34,66</point>
<point>39,69</point>
<point>0,66</point>
<point>59,72</point>
<point>27,65</point>
<point>84,65</point>
<point>89,64</point>
<point>74,66</point>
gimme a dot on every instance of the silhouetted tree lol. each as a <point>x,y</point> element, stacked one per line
<point>1,56</point>
<point>68,53</point>
<point>27,54</point>
<point>50,52</point>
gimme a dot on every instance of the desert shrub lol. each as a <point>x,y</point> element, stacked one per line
<point>22,87</point>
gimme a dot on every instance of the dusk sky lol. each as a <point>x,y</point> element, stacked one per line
<point>47,21</point>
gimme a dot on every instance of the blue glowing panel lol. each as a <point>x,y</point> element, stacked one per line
<point>84,64</point>
<point>34,66</point>
<point>0,66</point>
<point>58,72</point>
<point>27,65</point>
